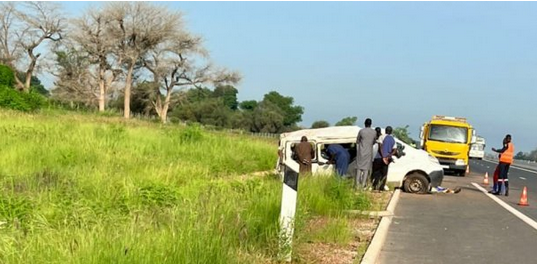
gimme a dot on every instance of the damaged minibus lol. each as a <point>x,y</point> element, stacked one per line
<point>415,171</point>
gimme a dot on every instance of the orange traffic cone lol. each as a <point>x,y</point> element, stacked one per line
<point>524,197</point>
<point>486,180</point>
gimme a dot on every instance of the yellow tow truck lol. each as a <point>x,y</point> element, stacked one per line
<point>448,139</point>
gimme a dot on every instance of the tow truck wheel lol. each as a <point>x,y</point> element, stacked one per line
<point>416,183</point>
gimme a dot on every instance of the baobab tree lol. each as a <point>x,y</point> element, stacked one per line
<point>136,28</point>
<point>90,34</point>
<point>174,67</point>
<point>24,29</point>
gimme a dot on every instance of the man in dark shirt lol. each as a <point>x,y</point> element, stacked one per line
<point>305,154</point>
<point>339,156</point>
<point>382,160</point>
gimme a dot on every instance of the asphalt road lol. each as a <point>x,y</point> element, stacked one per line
<point>532,165</point>
<point>518,178</point>
<point>468,227</point>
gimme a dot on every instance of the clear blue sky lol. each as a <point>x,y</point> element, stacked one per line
<point>396,62</point>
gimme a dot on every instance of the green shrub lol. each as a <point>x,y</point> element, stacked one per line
<point>193,133</point>
<point>34,100</point>
<point>12,99</point>
<point>6,76</point>
<point>9,98</point>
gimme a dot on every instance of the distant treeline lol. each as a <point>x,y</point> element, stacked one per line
<point>532,155</point>
<point>130,57</point>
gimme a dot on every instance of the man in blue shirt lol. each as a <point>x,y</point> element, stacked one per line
<point>382,160</point>
<point>340,156</point>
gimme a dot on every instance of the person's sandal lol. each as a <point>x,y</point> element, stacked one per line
<point>457,190</point>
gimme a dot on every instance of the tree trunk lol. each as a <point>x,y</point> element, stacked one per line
<point>102,90</point>
<point>164,114</point>
<point>28,81</point>
<point>158,105</point>
<point>18,82</point>
<point>30,70</point>
<point>127,102</point>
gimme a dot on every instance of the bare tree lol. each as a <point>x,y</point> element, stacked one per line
<point>23,31</point>
<point>10,50</point>
<point>138,27</point>
<point>75,83</point>
<point>178,73</point>
<point>180,62</point>
<point>90,34</point>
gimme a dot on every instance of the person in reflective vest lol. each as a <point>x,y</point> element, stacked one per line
<point>506,158</point>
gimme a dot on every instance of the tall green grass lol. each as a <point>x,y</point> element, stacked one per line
<point>93,189</point>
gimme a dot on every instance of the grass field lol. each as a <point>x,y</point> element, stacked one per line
<point>84,188</point>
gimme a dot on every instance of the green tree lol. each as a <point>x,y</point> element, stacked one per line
<point>403,134</point>
<point>242,120</point>
<point>211,111</point>
<point>320,124</point>
<point>347,121</point>
<point>229,94</point>
<point>268,118</point>
<point>198,94</point>
<point>520,155</point>
<point>532,155</point>
<point>248,105</point>
<point>292,114</point>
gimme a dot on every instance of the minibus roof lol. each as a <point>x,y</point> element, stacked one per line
<point>327,133</point>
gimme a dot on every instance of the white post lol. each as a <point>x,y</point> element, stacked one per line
<point>287,214</point>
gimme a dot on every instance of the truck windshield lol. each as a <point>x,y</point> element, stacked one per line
<point>448,134</point>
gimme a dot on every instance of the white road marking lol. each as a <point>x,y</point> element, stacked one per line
<point>507,207</point>
<point>516,167</point>
<point>522,178</point>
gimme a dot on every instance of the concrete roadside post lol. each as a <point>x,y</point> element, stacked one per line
<point>287,213</point>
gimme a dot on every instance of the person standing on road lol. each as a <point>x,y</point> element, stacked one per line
<point>339,156</point>
<point>506,158</point>
<point>383,159</point>
<point>305,154</point>
<point>364,156</point>
<point>497,172</point>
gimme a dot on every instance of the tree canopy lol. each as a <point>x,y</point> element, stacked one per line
<point>320,124</point>
<point>292,114</point>
<point>403,134</point>
<point>347,121</point>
